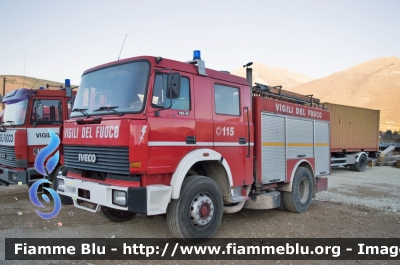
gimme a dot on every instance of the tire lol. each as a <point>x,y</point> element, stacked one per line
<point>282,205</point>
<point>361,165</point>
<point>197,214</point>
<point>53,178</point>
<point>299,199</point>
<point>117,215</point>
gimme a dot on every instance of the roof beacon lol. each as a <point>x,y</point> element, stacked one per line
<point>201,68</point>
<point>196,55</point>
<point>68,88</point>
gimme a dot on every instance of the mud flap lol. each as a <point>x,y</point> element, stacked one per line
<point>322,184</point>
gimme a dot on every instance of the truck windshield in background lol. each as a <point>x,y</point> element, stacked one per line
<point>121,88</point>
<point>15,113</point>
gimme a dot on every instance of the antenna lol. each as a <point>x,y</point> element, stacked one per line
<point>122,46</point>
<point>37,80</point>
<point>23,82</point>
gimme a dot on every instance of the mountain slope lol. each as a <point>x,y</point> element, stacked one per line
<point>273,76</point>
<point>373,84</point>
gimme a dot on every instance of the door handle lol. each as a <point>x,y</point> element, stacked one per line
<point>242,140</point>
<point>190,139</point>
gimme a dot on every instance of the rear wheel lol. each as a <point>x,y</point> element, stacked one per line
<point>299,199</point>
<point>282,205</point>
<point>196,215</point>
<point>117,215</point>
<point>361,165</point>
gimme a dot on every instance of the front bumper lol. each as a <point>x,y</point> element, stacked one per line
<point>14,176</point>
<point>150,200</point>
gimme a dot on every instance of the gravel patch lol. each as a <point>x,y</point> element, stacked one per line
<point>377,188</point>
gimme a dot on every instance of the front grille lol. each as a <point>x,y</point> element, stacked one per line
<point>9,153</point>
<point>108,159</point>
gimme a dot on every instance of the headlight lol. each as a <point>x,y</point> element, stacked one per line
<point>14,177</point>
<point>61,185</point>
<point>119,197</point>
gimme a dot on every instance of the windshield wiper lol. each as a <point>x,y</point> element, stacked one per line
<point>3,128</point>
<point>112,108</point>
<point>11,123</point>
<point>83,111</point>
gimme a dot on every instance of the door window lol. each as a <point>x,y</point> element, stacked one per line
<point>160,91</point>
<point>226,100</point>
<point>52,111</point>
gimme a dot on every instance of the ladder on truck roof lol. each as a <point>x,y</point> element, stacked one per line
<point>276,92</point>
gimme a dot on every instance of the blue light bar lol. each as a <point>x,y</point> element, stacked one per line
<point>196,55</point>
<point>67,82</point>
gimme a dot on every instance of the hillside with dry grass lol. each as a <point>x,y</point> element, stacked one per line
<point>373,84</point>
<point>16,81</point>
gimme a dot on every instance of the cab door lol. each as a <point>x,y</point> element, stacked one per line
<point>171,124</point>
<point>230,133</point>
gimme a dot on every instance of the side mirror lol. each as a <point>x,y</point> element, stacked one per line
<point>174,86</point>
<point>39,112</point>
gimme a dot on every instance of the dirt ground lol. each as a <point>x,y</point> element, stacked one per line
<point>357,205</point>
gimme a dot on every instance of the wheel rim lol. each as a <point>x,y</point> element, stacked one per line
<point>201,210</point>
<point>362,162</point>
<point>304,190</point>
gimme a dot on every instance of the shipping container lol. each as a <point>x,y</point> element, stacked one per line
<point>353,129</point>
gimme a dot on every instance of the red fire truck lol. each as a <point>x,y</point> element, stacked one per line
<point>155,136</point>
<point>27,116</point>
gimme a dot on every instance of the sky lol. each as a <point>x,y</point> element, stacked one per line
<point>54,40</point>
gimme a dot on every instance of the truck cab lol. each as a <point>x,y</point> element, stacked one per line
<point>28,115</point>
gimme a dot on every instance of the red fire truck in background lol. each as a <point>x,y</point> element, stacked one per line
<point>27,116</point>
<point>152,136</point>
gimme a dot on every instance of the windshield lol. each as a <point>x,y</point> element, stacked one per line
<point>121,88</point>
<point>15,113</point>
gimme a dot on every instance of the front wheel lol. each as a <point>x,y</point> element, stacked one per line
<point>299,199</point>
<point>361,165</point>
<point>117,215</point>
<point>197,214</point>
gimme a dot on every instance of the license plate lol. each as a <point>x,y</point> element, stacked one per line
<point>71,189</point>
<point>2,155</point>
